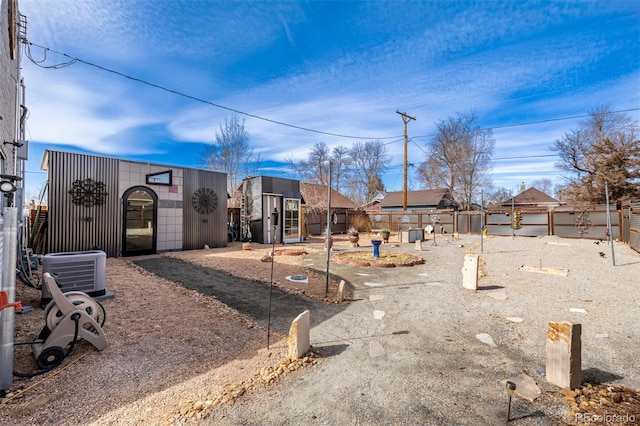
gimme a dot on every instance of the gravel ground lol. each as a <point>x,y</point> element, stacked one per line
<point>169,347</point>
<point>405,351</point>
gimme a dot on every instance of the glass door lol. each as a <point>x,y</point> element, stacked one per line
<point>139,216</point>
<point>291,220</point>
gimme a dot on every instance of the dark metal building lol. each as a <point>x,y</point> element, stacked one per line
<point>260,196</point>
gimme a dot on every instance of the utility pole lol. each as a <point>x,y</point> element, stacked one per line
<point>405,119</point>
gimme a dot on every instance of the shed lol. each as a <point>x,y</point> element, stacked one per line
<point>127,208</point>
<point>261,196</point>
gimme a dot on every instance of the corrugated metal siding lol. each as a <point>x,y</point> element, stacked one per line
<point>634,228</point>
<point>564,224</point>
<point>77,227</point>
<point>199,229</point>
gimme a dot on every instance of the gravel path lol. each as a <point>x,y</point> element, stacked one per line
<point>405,350</point>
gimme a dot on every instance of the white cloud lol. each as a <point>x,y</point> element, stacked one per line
<point>510,62</point>
<point>64,112</point>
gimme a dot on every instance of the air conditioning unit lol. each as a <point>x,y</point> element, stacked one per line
<point>83,271</point>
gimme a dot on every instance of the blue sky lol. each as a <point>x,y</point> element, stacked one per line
<point>337,67</point>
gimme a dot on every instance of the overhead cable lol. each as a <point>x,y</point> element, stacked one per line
<point>73,60</point>
<point>184,95</point>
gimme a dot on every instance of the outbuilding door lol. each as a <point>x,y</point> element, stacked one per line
<point>140,208</point>
<point>291,220</point>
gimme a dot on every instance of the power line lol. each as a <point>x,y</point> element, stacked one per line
<point>548,120</point>
<point>525,157</point>
<point>73,60</point>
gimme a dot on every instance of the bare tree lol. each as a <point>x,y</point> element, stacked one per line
<point>231,153</point>
<point>543,185</point>
<point>494,197</point>
<point>315,169</point>
<point>459,158</point>
<point>605,147</point>
<point>369,160</point>
<point>342,162</point>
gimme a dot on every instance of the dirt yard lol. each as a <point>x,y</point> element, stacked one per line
<point>170,348</point>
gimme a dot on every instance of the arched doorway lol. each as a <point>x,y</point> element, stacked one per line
<point>139,215</point>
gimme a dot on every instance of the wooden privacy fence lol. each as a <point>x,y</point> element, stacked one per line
<point>442,221</point>
<point>631,219</point>
<point>316,222</point>
<point>567,222</point>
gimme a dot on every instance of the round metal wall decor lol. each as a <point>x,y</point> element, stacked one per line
<point>204,200</point>
<point>88,192</point>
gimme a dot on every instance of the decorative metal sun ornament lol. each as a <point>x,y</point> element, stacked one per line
<point>88,193</point>
<point>204,200</point>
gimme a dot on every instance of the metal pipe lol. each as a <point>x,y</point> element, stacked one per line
<point>8,285</point>
<point>609,230</point>
<point>482,221</point>
<point>328,245</point>
<point>513,224</point>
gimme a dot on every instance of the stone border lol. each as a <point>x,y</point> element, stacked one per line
<point>379,264</point>
<point>291,252</point>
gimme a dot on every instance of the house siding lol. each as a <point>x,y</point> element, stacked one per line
<point>178,226</point>
<point>9,95</point>
<point>75,227</point>
<point>208,228</point>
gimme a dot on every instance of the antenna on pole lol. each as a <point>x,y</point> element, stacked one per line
<point>405,119</point>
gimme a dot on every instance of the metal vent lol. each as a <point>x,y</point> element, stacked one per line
<point>76,271</point>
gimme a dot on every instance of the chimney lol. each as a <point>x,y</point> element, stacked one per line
<point>522,187</point>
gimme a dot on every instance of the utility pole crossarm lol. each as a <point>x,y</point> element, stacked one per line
<point>405,119</point>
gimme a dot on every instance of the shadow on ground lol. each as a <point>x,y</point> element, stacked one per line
<point>247,297</point>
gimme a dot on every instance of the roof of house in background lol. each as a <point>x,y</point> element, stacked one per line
<point>372,206</point>
<point>424,197</point>
<point>315,196</point>
<point>532,196</point>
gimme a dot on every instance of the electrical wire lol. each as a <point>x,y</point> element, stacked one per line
<point>184,95</point>
<point>74,60</point>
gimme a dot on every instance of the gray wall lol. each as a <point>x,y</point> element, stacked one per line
<point>204,228</point>
<point>9,97</point>
<point>634,226</point>
<point>75,227</point>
